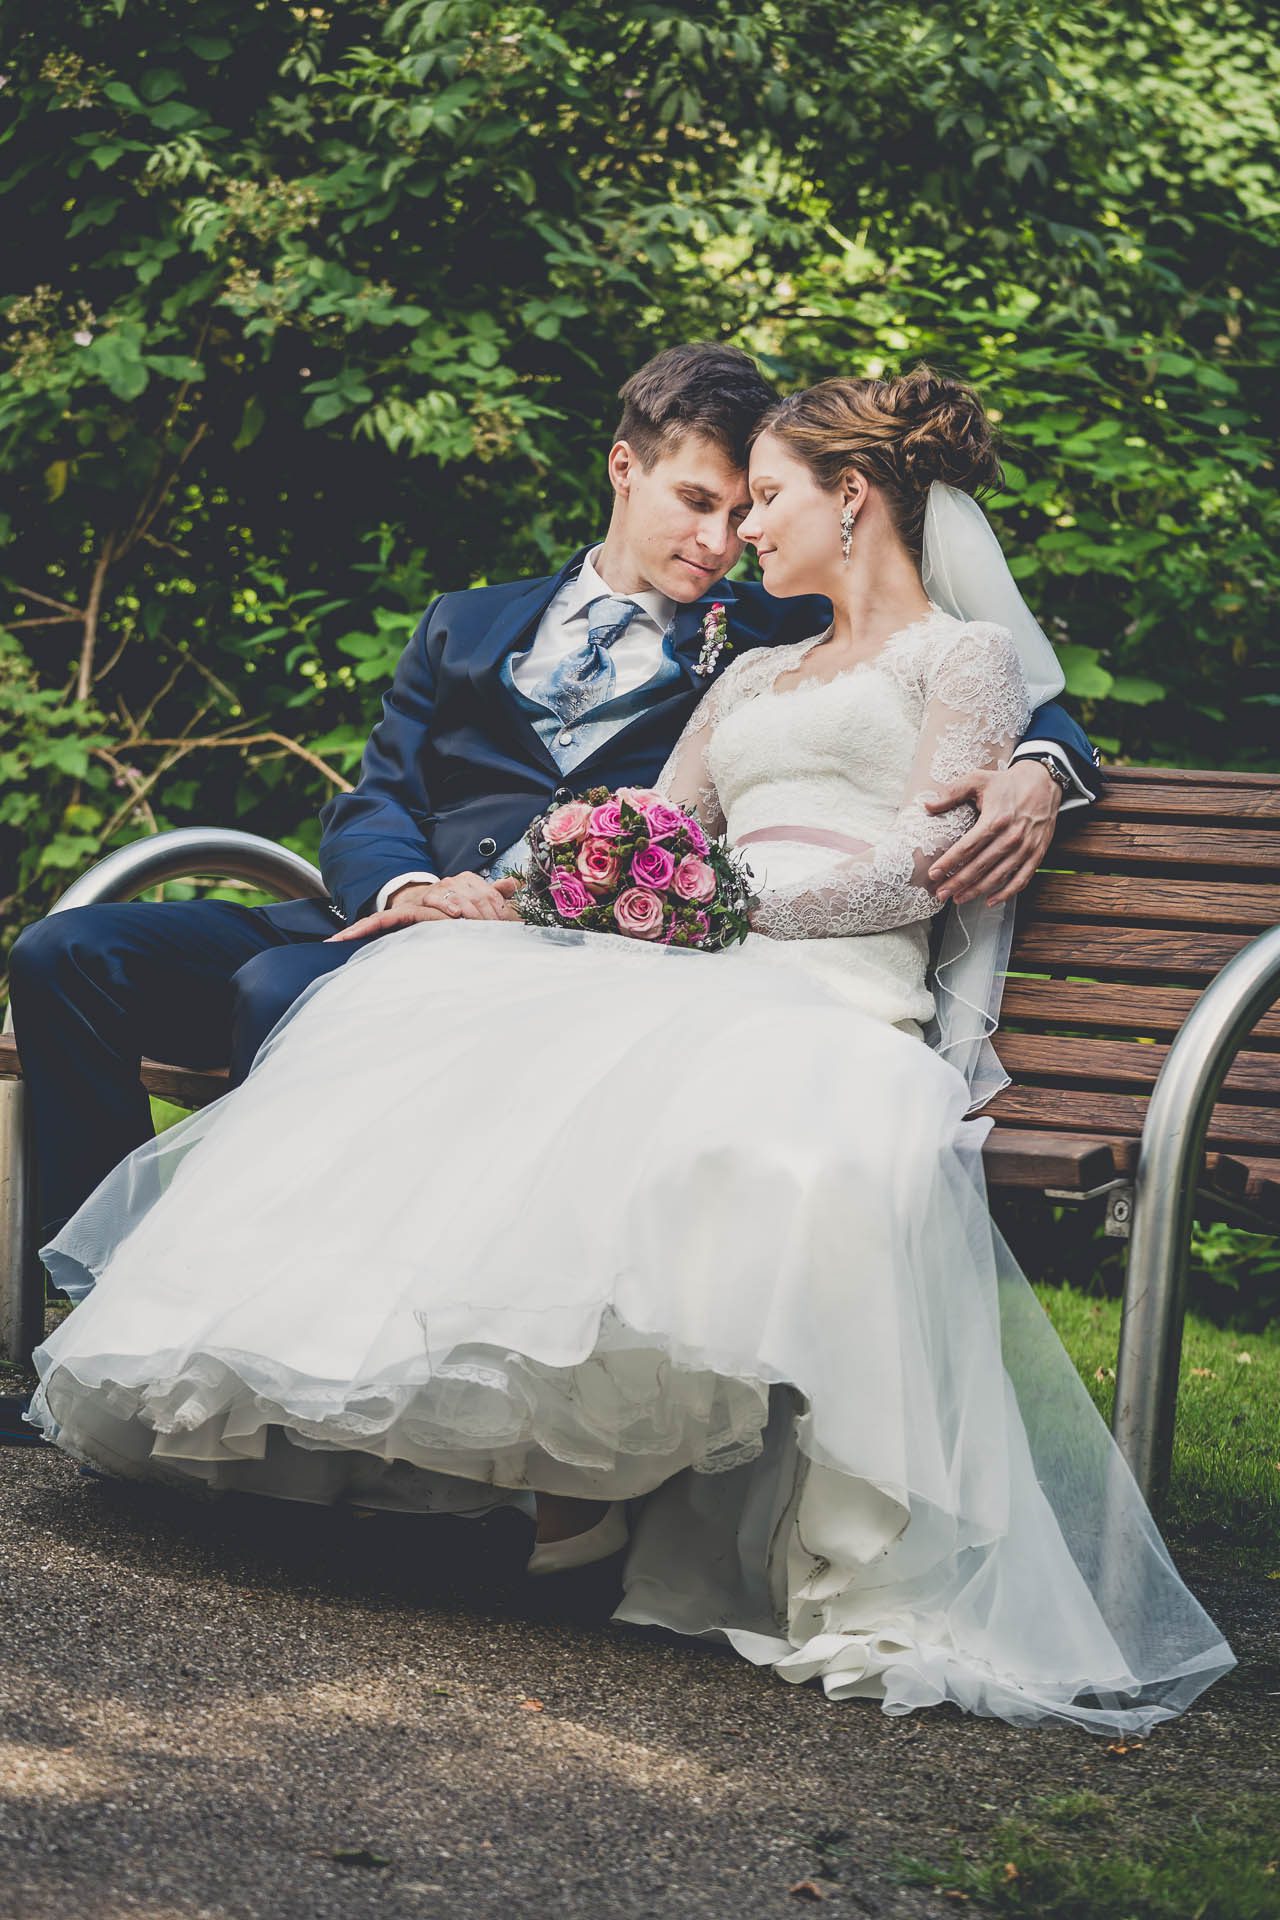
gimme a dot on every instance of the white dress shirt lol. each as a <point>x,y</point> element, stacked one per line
<point>1081,797</point>
<point>636,654</point>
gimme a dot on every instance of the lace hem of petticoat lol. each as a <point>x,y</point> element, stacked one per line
<point>474,1402</point>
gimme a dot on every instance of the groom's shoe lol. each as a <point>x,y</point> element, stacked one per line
<point>609,1535</point>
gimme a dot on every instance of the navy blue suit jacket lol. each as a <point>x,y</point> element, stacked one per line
<point>454,772</point>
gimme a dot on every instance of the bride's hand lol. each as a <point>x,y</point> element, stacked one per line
<point>462,896</point>
<point>1017,813</point>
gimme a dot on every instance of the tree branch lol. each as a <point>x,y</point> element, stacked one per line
<point>84,679</point>
<point>256,740</point>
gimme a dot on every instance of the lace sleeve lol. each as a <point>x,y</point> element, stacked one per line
<point>975,712</point>
<point>686,780</point>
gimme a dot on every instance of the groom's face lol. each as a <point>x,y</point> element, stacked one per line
<point>679,518</point>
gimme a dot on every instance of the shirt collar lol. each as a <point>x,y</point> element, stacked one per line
<point>588,586</point>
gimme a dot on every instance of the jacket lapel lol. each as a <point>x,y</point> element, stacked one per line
<point>516,621</point>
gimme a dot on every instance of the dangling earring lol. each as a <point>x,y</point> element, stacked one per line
<point>846,529</point>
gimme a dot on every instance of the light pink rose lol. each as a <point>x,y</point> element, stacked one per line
<point>606,821</point>
<point>567,824</point>
<point>638,913</point>
<point>662,820</point>
<point>652,867</point>
<point>637,797</point>
<point>570,896</point>
<point>694,879</point>
<point>598,865</point>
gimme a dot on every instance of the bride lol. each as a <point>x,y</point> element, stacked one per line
<point>695,1248</point>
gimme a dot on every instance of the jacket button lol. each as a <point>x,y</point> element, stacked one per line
<point>487,847</point>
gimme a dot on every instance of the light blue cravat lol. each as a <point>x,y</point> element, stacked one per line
<point>583,679</point>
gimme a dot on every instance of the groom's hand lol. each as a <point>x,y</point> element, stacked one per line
<point>463,896</point>
<point>1017,813</point>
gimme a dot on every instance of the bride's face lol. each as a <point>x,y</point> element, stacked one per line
<point>793,525</point>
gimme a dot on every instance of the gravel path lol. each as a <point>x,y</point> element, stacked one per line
<point>252,1709</point>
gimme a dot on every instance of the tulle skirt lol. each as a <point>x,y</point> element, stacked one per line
<point>501,1209</point>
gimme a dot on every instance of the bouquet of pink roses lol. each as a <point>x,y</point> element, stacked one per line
<point>631,863</point>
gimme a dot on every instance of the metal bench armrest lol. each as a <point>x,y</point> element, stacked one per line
<point>1169,1157</point>
<point>122,875</point>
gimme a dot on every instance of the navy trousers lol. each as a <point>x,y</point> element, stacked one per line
<point>198,983</point>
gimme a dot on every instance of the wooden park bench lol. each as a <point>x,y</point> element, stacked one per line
<point>1147,951</point>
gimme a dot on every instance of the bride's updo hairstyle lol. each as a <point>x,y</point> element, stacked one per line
<point>901,435</point>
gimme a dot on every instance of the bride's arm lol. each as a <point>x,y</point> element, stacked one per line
<point>975,713</point>
<point>686,780</point>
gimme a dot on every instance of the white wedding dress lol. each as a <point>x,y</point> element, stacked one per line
<point>501,1208</point>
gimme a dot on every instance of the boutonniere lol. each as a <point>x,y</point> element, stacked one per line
<point>715,638</point>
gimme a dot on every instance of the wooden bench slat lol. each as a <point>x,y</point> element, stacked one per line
<point>1187,954</point>
<point>1025,1158</point>
<point>1139,898</point>
<point>184,1086</point>
<point>1193,801</point>
<point>1118,778</point>
<point>1158,1011</point>
<point>1122,1063</point>
<point>1262,1170</point>
<point>1125,843</point>
<point>1080,1110</point>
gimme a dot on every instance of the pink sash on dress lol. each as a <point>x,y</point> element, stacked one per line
<point>808,836</point>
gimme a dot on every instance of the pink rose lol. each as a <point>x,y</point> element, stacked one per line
<point>570,896</point>
<point>637,797</point>
<point>693,832</point>
<point>638,913</point>
<point>653,867</point>
<point>662,820</point>
<point>694,879</point>
<point>598,865</point>
<point>567,823</point>
<point>606,821</point>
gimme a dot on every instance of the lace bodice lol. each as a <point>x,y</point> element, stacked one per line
<point>857,753</point>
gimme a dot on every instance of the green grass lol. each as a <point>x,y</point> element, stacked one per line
<point>1224,1491</point>
<point>1065,1860</point>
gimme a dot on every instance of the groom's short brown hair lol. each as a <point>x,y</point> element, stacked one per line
<point>717,392</point>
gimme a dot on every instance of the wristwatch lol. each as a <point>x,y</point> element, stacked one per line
<point>1056,769</point>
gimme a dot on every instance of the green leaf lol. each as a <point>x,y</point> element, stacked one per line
<point>176,366</point>
<point>1136,692</point>
<point>158,83</point>
<point>114,356</point>
<point>174,114</point>
<point>68,755</point>
<point>252,421</point>
<point>208,46</point>
<point>325,407</point>
<point>1086,679</point>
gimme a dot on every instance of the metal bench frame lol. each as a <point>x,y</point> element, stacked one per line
<point>1164,1185</point>
<point>223,853</point>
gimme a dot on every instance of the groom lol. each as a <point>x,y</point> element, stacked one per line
<point>507,699</point>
